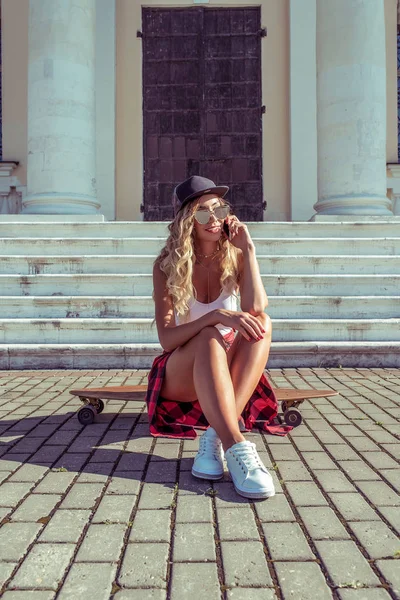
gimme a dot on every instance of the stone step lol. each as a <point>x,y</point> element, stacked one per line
<point>268,244</point>
<point>142,285</point>
<point>373,228</point>
<point>135,264</point>
<point>280,307</point>
<point>142,330</point>
<point>141,356</point>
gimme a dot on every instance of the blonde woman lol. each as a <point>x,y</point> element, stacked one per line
<point>210,374</point>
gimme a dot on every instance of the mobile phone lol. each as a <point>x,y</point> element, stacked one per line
<point>226,229</point>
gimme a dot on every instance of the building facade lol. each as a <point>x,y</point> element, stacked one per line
<point>108,104</point>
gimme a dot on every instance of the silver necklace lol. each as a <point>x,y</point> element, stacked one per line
<point>208,255</point>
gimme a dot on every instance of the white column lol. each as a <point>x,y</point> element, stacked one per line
<point>351,101</point>
<point>61,108</point>
<point>303,109</point>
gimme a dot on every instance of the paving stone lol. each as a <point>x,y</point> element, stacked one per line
<point>193,543</point>
<point>363,444</point>
<point>123,485</point>
<point>283,452</point>
<point>380,460</point>
<point>293,471</point>
<point>357,470</point>
<point>83,495</point>
<point>95,473</point>
<point>13,493</point>
<point>35,507</point>
<point>44,566</point>
<point>65,526</point>
<point>191,486</point>
<point>251,594</point>
<point>393,449</point>
<point>353,507</point>
<point>379,493</point>
<point>308,444</point>
<point>392,514</point>
<point>151,526</point>
<point>245,564</point>
<point>364,594</point>
<point>322,523</point>
<point>318,460</point>
<point>55,483</point>
<point>136,594</point>
<point>144,565</point>
<point>162,472</point>
<point>86,580</point>
<point>15,538</point>
<point>393,476</point>
<point>199,580</point>
<point>342,452</point>
<point>274,509</point>
<point>237,524</point>
<point>72,462</point>
<point>304,493</point>
<point>28,595</point>
<point>300,580</point>
<point>102,543</point>
<point>193,509</point>
<point>28,472</point>
<point>6,568</point>
<point>156,495</point>
<point>132,461</point>
<point>277,536</point>
<point>345,563</point>
<point>376,538</point>
<point>390,571</point>
<point>114,509</point>
<point>334,481</point>
<point>163,452</point>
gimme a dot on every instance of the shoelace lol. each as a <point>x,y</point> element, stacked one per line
<point>210,444</point>
<point>248,455</point>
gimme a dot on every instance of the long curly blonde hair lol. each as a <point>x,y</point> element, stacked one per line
<point>177,258</point>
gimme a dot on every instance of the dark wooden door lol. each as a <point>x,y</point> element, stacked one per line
<point>202,105</point>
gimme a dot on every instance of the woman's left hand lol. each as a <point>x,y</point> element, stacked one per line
<point>239,234</point>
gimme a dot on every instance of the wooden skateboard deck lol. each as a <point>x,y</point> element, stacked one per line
<point>93,400</point>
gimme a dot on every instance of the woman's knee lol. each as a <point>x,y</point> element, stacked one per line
<point>208,334</point>
<point>265,321</point>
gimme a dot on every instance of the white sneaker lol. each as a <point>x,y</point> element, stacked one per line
<point>250,477</point>
<point>209,461</point>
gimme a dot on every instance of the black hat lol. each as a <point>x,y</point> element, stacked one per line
<point>196,186</point>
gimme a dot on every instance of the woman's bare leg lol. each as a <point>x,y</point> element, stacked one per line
<point>247,363</point>
<point>199,370</point>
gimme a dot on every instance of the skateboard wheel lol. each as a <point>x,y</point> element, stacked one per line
<point>284,406</point>
<point>86,415</point>
<point>100,406</point>
<point>293,417</point>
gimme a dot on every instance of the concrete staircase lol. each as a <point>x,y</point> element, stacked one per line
<point>78,294</point>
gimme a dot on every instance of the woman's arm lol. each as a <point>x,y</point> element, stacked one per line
<point>253,298</point>
<point>171,335</point>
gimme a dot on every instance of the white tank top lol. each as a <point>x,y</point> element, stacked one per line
<point>198,309</point>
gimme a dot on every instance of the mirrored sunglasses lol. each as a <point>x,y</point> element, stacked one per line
<point>203,215</point>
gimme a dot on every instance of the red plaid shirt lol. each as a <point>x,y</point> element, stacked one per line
<point>176,419</point>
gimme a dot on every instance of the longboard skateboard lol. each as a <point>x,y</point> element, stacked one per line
<point>92,399</point>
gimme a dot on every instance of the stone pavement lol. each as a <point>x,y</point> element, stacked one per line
<point>107,511</point>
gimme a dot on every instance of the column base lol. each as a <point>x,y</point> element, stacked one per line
<point>59,204</point>
<point>354,205</point>
<point>355,218</point>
